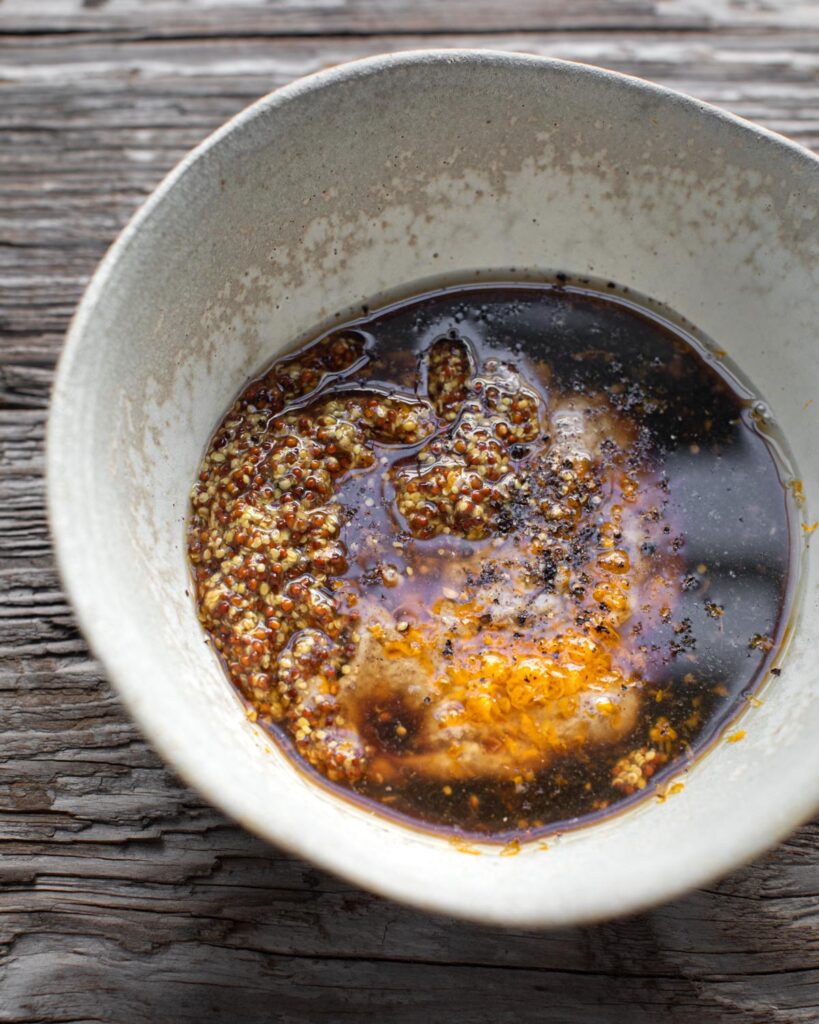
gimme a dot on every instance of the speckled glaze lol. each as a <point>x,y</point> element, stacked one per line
<point>341,189</point>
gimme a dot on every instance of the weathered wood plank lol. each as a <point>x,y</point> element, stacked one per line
<point>201,18</point>
<point>123,897</point>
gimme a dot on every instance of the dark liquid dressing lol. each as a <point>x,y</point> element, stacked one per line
<point>722,536</point>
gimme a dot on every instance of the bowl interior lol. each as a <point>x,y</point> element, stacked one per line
<point>336,192</point>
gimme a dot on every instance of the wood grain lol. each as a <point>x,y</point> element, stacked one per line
<point>165,18</point>
<point>124,898</point>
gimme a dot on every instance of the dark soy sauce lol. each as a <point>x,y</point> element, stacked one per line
<point>693,499</point>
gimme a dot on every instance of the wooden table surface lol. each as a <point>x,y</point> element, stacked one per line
<point>126,899</point>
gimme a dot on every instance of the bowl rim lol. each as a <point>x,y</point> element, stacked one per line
<point>84,600</point>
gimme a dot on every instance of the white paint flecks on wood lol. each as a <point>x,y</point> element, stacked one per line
<point>123,897</point>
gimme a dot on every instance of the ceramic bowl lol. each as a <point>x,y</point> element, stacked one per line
<point>337,191</point>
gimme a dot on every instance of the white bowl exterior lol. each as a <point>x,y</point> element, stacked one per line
<point>322,196</point>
